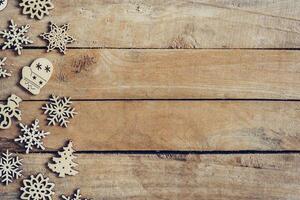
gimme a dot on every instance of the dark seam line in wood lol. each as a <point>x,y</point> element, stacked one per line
<point>167,152</point>
<point>168,48</point>
<point>150,100</point>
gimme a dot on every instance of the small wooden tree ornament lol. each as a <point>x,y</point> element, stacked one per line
<point>64,164</point>
<point>35,77</point>
<point>8,111</point>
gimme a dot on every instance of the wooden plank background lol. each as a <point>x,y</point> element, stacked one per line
<point>177,99</point>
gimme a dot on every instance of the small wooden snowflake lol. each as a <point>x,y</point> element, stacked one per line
<point>76,196</point>
<point>59,110</point>
<point>36,8</point>
<point>58,37</point>
<point>3,72</point>
<point>37,187</point>
<point>9,167</point>
<point>15,37</point>
<point>32,136</point>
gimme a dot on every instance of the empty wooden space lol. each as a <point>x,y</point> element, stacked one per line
<point>171,125</point>
<point>176,99</point>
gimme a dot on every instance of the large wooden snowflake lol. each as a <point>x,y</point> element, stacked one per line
<point>76,196</point>
<point>9,167</point>
<point>15,37</point>
<point>59,110</point>
<point>36,8</point>
<point>32,136</point>
<point>58,37</point>
<point>3,72</point>
<point>37,188</point>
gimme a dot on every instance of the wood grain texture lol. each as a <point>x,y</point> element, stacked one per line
<point>171,125</point>
<point>156,177</point>
<point>171,23</point>
<point>162,74</point>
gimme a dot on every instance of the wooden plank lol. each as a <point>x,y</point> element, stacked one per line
<point>163,74</point>
<point>213,177</point>
<point>171,23</point>
<point>171,125</point>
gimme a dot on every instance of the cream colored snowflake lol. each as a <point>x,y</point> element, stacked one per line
<point>3,72</point>
<point>36,8</point>
<point>37,187</point>
<point>76,196</point>
<point>15,37</point>
<point>58,37</point>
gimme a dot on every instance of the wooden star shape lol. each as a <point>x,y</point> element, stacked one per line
<point>58,37</point>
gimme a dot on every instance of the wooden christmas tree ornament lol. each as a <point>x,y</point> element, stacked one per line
<point>64,164</point>
<point>9,111</point>
<point>37,75</point>
<point>76,196</point>
<point>3,4</point>
<point>3,72</point>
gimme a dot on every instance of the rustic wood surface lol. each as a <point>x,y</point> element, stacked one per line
<point>224,111</point>
<point>171,125</point>
<point>171,23</point>
<point>107,176</point>
<point>163,74</point>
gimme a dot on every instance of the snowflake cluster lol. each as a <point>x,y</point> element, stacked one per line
<point>59,110</point>
<point>3,72</point>
<point>9,167</point>
<point>76,196</point>
<point>32,136</point>
<point>15,37</point>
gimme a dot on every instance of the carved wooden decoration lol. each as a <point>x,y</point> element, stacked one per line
<point>64,164</point>
<point>36,8</point>
<point>3,4</point>
<point>15,37</point>
<point>58,37</point>
<point>10,167</point>
<point>37,188</point>
<point>9,110</point>
<point>37,75</point>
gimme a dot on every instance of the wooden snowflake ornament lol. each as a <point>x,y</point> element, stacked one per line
<point>9,167</point>
<point>36,8</point>
<point>37,188</point>
<point>37,75</point>
<point>59,110</point>
<point>76,196</point>
<point>64,164</point>
<point>9,110</point>
<point>58,37</point>
<point>3,72</point>
<point>3,4</point>
<point>31,136</point>
<point>15,37</point>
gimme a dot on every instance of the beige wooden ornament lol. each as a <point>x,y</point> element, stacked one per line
<point>37,188</point>
<point>15,37</point>
<point>9,110</point>
<point>75,196</point>
<point>64,164</point>
<point>37,75</point>
<point>3,4</point>
<point>58,37</point>
<point>10,167</point>
<point>36,8</point>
